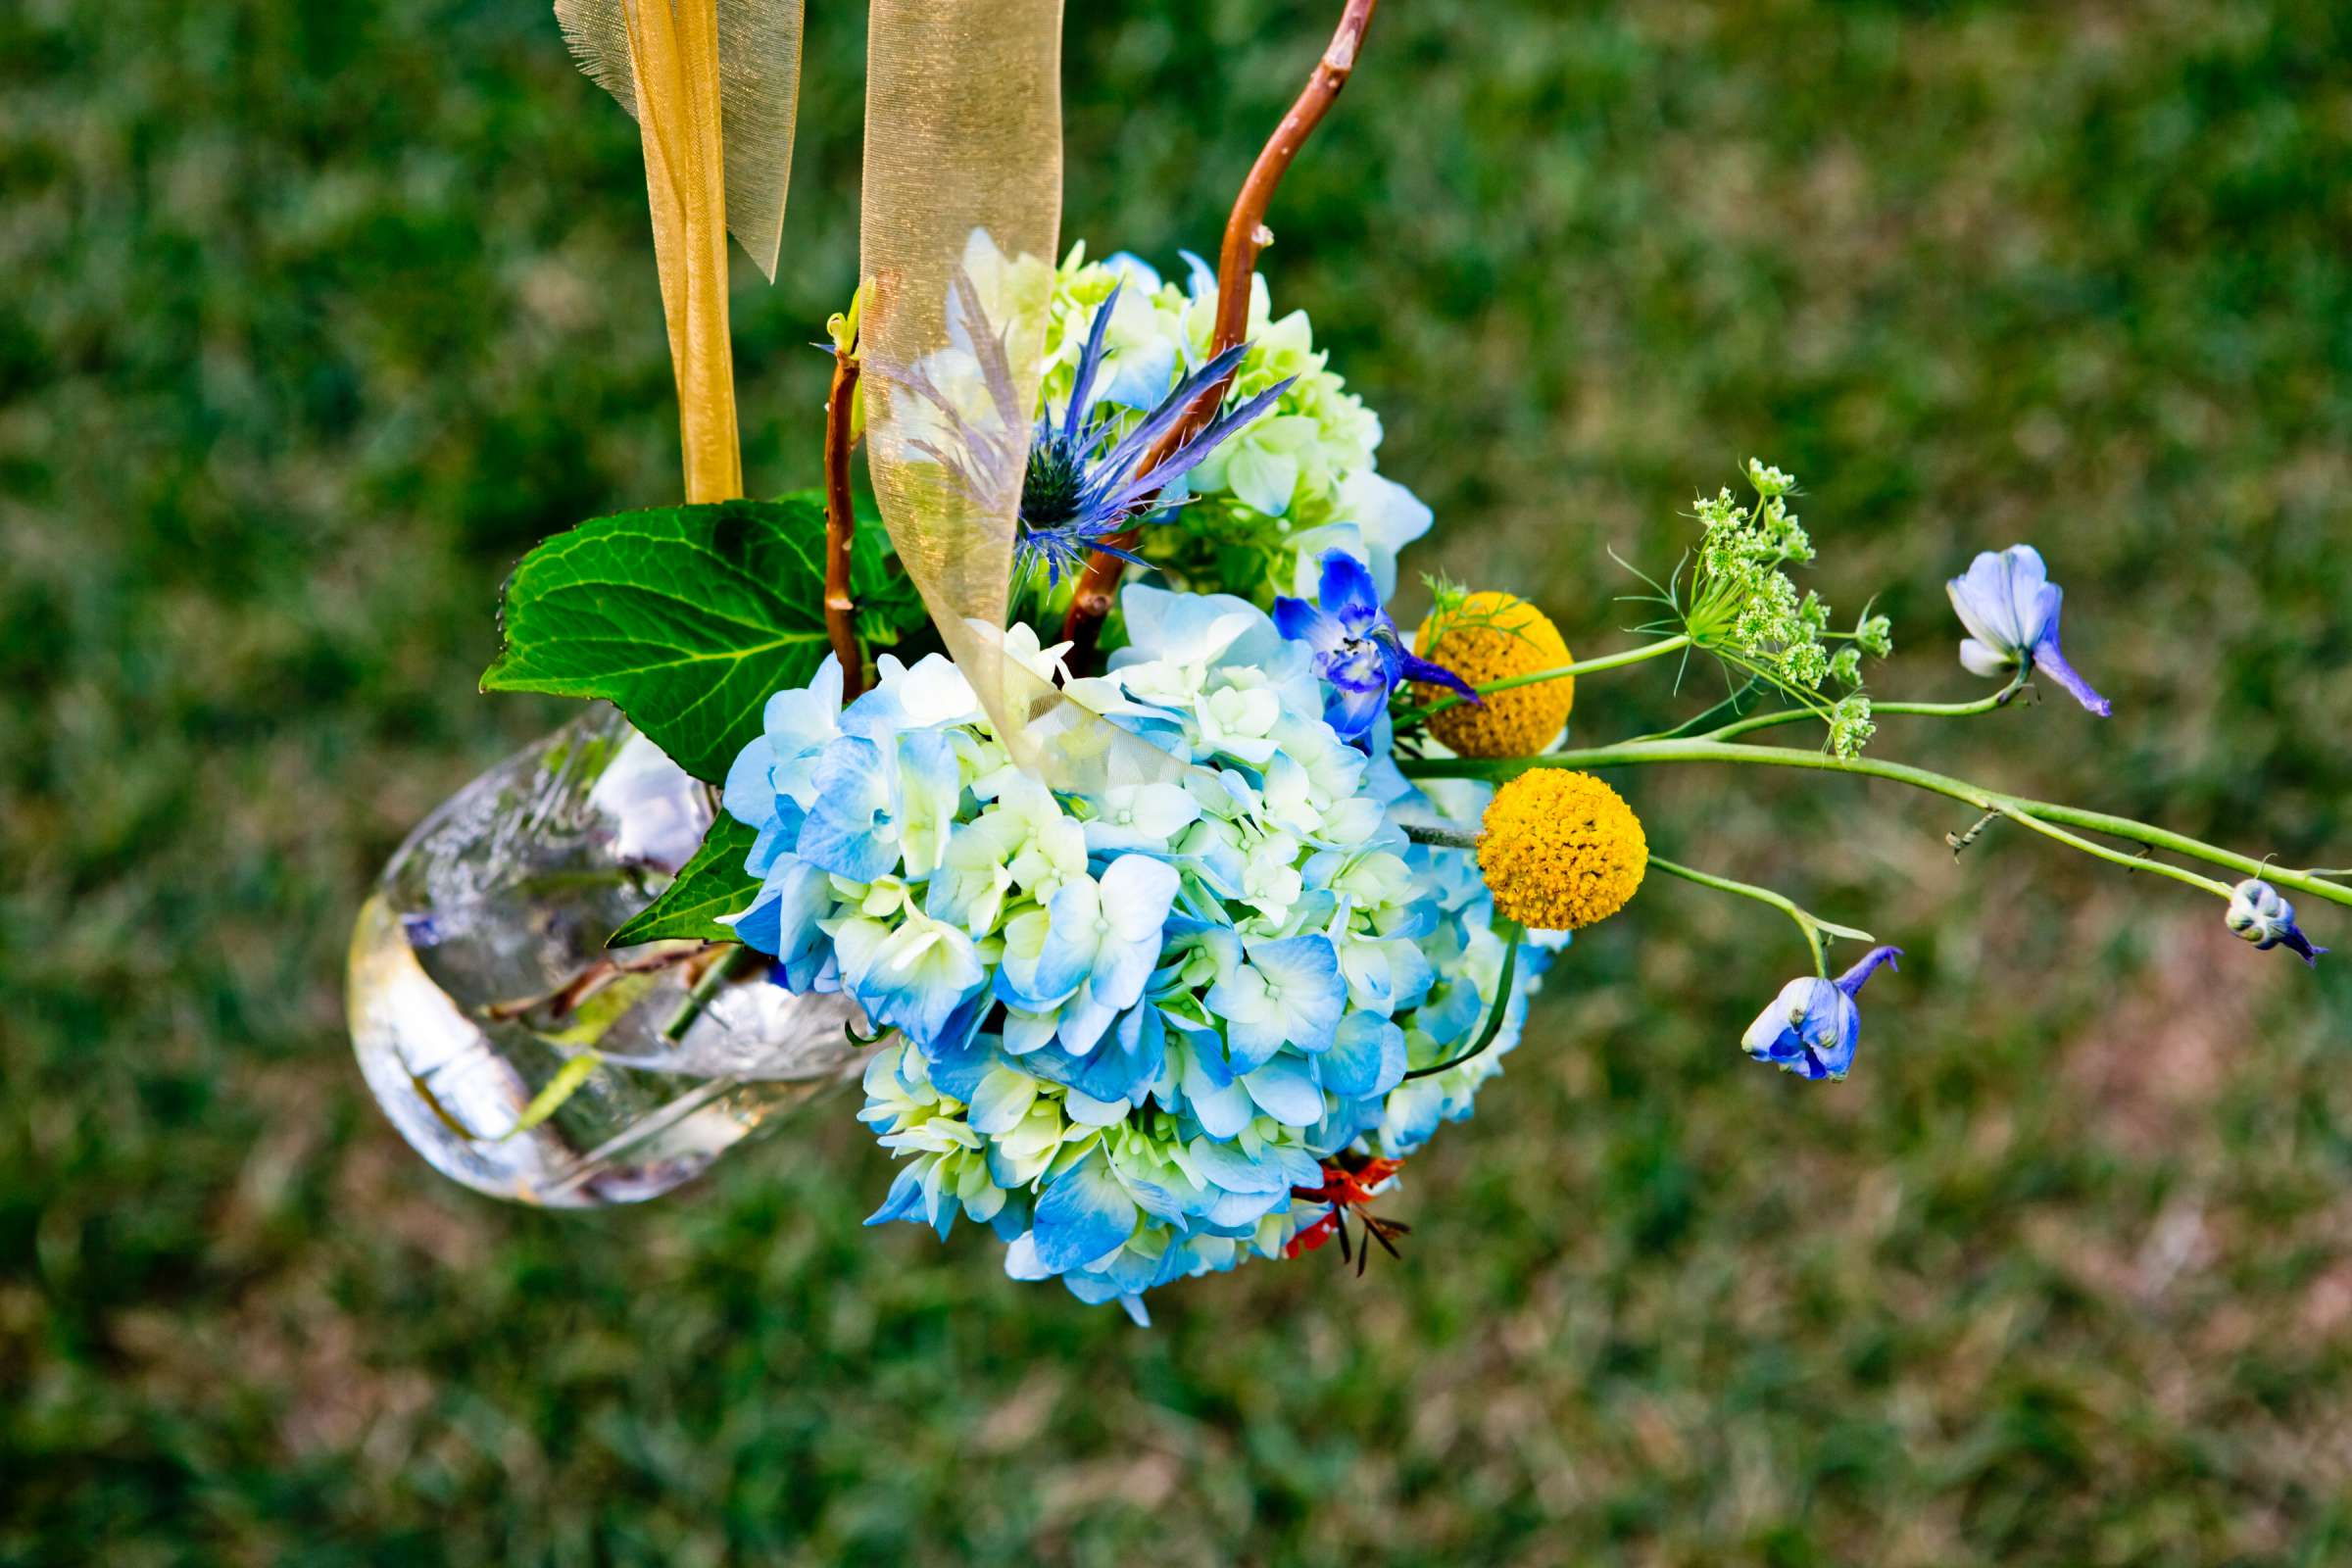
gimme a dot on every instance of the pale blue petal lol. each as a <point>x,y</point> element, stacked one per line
<point>1221,1112</point>
<point>1003,1098</point>
<point>1228,1167</point>
<point>779,838</point>
<point>1286,1091</point>
<point>849,830</point>
<point>1238,1213</point>
<point>1137,893</point>
<point>1263,481</point>
<point>1073,938</point>
<point>1366,1056</point>
<point>1021,1260</point>
<point>1086,1111</point>
<point>1083,1018</point>
<point>1082,1215</point>
<point>1253,1041</point>
<point>904,1201</point>
<point>1298,1167</point>
<point>750,798</point>
<point>1304,973</point>
<point>1025,1032</point>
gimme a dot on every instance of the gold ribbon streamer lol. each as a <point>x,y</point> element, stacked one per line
<point>962,213</point>
<point>673,60</point>
<point>712,85</point>
<point>758,95</point>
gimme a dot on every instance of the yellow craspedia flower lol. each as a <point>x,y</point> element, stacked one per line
<point>1490,636</point>
<point>1560,850</point>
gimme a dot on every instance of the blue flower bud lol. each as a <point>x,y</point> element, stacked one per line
<point>2260,914</point>
<point>1811,1028</point>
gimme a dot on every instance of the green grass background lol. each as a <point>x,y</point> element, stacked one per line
<point>314,315</point>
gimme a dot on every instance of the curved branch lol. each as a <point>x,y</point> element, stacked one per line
<point>1811,925</point>
<point>2048,818</point>
<point>1246,236</point>
<point>840,524</point>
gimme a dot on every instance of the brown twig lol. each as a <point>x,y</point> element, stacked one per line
<point>563,1002</point>
<point>840,524</point>
<point>1246,236</point>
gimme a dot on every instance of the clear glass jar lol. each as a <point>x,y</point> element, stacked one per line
<point>479,977</point>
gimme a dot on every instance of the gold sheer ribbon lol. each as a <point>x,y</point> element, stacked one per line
<point>714,86</point>
<point>962,213</point>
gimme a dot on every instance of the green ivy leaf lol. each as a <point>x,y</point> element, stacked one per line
<point>711,884</point>
<point>689,617</point>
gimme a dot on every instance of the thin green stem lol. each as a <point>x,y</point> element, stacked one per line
<point>1495,1015</point>
<point>1583,667</point>
<point>1730,708</point>
<point>1791,715</point>
<point>1810,925</point>
<point>2040,817</point>
<point>2132,862</point>
<point>728,967</point>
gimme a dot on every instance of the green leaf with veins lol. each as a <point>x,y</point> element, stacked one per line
<point>711,884</point>
<point>689,617</point>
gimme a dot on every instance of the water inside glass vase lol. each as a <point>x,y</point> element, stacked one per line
<point>480,978</point>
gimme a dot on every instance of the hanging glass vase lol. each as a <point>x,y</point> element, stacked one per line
<point>512,1047</point>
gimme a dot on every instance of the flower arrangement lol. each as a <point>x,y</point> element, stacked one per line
<point>1182,892</point>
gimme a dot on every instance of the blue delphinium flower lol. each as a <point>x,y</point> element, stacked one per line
<point>1076,493</point>
<point>1358,651</point>
<point>2260,914</point>
<point>1813,1025</point>
<point>2010,608</point>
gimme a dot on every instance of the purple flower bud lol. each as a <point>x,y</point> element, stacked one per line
<point>1812,1027</point>
<point>2010,608</point>
<point>2259,913</point>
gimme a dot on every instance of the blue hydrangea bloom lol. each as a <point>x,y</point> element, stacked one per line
<point>1812,1027</point>
<point>2010,608</point>
<point>1358,651</point>
<point>1126,1028</point>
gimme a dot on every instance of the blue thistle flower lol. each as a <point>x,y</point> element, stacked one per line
<point>1076,494</point>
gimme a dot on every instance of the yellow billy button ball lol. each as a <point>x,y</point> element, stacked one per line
<point>1492,636</point>
<point>1560,850</point>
